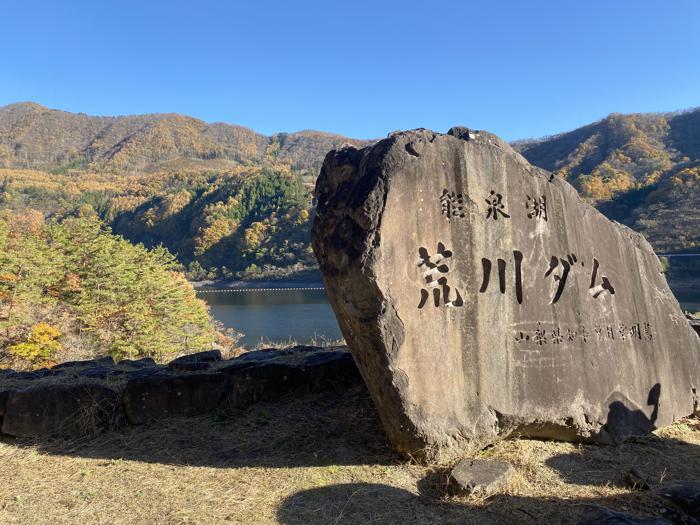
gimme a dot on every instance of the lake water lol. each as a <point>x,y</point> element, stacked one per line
<point>303,316</point>
<point>689,300</point>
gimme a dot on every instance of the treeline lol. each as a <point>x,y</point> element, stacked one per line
<point>251,218</point>
<point>70,289</point>
<point>639,169</point>
<point>613,156</point>
<point>232,227</point>
<point>244,223</point>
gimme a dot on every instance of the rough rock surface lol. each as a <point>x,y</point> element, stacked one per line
<point>481,297</point>
<point>694,323</point>
<point>685,494</point>
<point>482,477</point>
<point>198,361</point>
<point>595,515</point>
<point>162,396</point>
<point>84,397</point>
<point>61,409</point>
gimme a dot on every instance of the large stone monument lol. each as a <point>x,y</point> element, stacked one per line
<point>481,298</point>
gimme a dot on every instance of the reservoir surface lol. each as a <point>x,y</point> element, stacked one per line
<point>286,315</point>
<point>305,316</point>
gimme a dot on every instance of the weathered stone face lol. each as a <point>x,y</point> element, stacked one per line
<point>481,297</point>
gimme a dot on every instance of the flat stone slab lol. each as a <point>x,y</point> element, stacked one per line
<point>595,515</point>
<point>482,477</point>
<point>694,323</point>
<point>84,397</point>
<point>685,494</point>
<point>62,410</point>
<point>481,298</point>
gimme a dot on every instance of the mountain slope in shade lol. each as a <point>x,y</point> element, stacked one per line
<point>640,169</point>
<point>32,136</point>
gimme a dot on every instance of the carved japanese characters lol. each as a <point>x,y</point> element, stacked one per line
<point>480,298</point>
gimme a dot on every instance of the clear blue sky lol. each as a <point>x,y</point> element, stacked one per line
<point>360,68</point>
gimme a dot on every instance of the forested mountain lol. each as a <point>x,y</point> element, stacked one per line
<point>641,169</point>
<point>232,203</point>
<point>245,222</point>
<point>228,201</point>
<point>32,136</point>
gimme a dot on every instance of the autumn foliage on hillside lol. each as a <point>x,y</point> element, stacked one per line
<point>36,137</point>
<point>71,289</point>
<point>228,202</point>
<point>638,169</point>
<point>231,203</point>
<point>243,223</point>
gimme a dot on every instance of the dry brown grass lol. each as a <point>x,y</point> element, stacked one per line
<point>322,342</point>
<point>316,459</point>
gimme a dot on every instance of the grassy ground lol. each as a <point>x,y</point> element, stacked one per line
<point>320,459</point>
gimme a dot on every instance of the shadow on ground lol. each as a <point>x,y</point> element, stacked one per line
<point>647,457</point>
<point>341,428</point>
<point>638,467</point>
<point>338,427</point>
<point>634,471</point>
<point>355,503</point>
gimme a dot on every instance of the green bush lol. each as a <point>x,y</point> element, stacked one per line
<point>101,293</point>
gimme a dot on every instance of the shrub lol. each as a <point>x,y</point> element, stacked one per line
<point>73,284</point>
<point>41,345</point>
